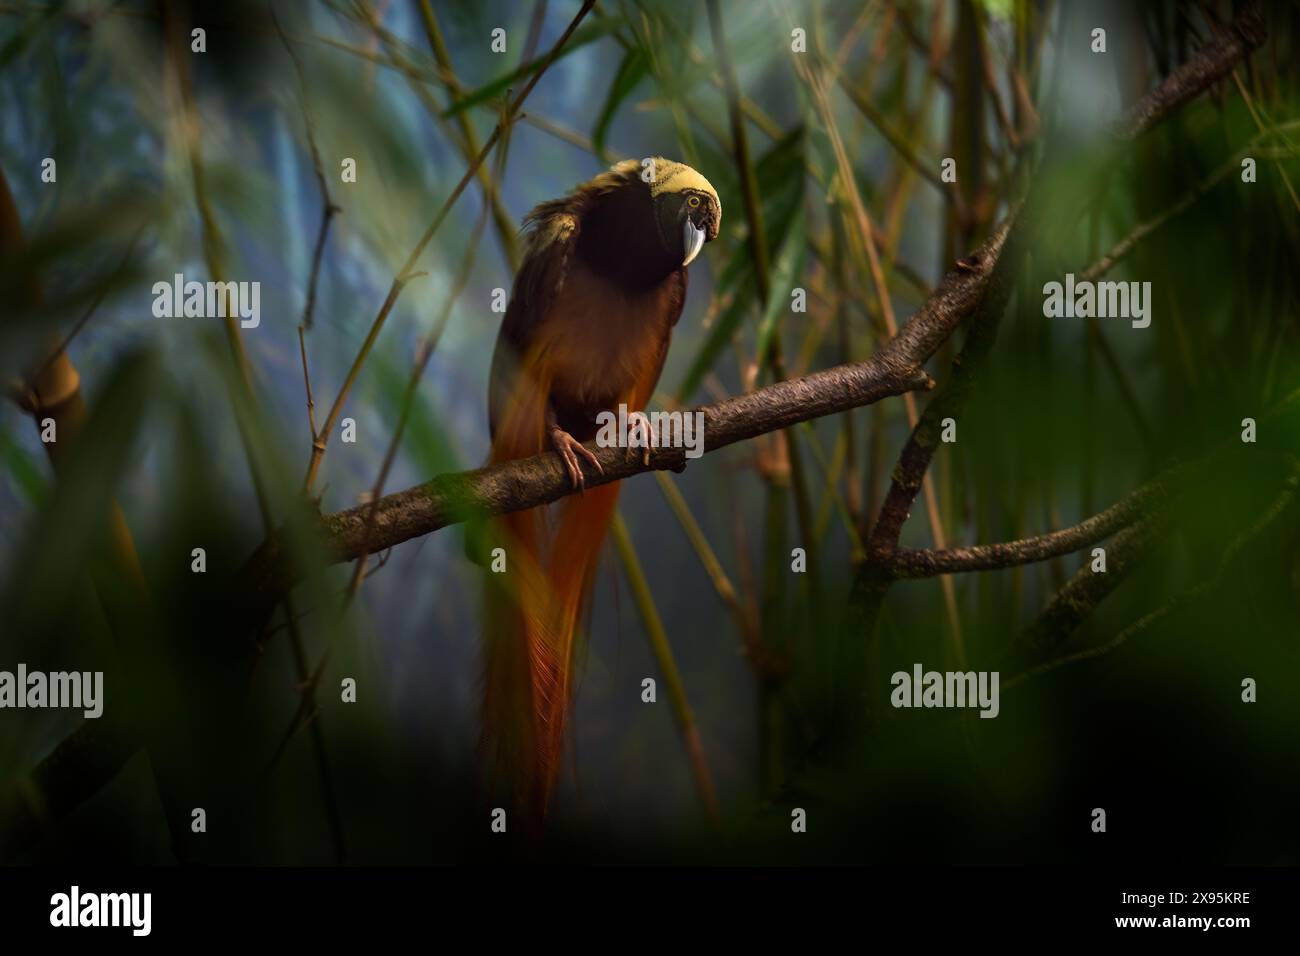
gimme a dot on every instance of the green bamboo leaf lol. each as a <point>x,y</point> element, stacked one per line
<point>634,66</point>
<point>780,174</point>
<point>26,34</point>
<point>581,37</point>
<point>723,329</point>
<point>1002,9</point>
<point>785,275</point>
<point>21,464</point>
<point>426,442</point>
<point>716,166</point>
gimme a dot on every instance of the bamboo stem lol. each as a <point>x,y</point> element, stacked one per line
<point>663,653</point>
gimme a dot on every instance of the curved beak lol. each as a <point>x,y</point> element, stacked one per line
<point>692,241</point>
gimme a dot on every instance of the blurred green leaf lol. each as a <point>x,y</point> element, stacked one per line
<point>24,35</point>
<point>425,440</point>
<point>630,72</point>
<point>1002,9</point>
<point>19,463</point>
<point>785,274</point>
<point>585,34</point>
<point>716,343</point>
<point>780,174</point>
<point>73,242</point>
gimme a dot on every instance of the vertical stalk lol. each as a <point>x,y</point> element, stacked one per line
<point>663,653</point>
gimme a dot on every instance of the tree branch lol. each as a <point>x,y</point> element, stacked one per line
<point>541,479</point>
<point>925,563</point>
<point>1071,605</point>
<point>1211,63</point>
<point>1205,588</point>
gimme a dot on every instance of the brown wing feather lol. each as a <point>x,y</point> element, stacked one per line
<point>540,279</point>
<point>552,235</point>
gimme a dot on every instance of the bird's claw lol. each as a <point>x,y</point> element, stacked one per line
<point>640,434</point>
<point>569,448</point>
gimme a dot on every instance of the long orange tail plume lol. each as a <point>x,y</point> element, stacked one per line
<point>533,610</point>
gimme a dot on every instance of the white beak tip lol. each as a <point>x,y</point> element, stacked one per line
<point>692,242</point>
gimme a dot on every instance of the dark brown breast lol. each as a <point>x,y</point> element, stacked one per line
<point>605,344</point>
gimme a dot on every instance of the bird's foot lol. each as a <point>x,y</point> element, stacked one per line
<point>640,434</point>
<point>569,449</point>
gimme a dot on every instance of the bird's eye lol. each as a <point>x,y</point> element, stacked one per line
<point>693,201</point>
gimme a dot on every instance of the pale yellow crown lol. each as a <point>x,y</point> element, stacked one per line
<point>669,177</point>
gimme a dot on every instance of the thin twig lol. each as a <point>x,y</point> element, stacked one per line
<point>1124,246</point>
<point>1211,63</point>
<point>924,563</point>
<point>1203,589</point>
<point>663,653</point>
<point>306,382</point>
<point>328,207</point>
<point>746,620</point>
